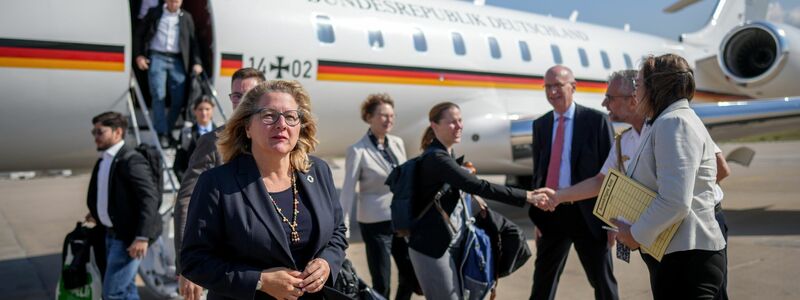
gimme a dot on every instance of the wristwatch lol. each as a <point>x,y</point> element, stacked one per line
<point>258,285</point>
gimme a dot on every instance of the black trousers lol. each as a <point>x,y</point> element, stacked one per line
<point>381,244</point>
<point>552,250</point>
<point>691,274</point>
<point>723,292</point>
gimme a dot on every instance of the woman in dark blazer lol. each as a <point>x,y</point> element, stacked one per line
<point>266,224</point>
<point>433,251</point>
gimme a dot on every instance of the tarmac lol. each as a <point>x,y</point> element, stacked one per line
<point>761,204</point>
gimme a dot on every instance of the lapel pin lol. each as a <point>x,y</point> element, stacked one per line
<point>310,179</point>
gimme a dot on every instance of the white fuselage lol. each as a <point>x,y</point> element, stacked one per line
<point>47,110</point>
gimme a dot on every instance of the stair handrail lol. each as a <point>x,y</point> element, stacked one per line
<point>134,84</point>
<point>204,79</point>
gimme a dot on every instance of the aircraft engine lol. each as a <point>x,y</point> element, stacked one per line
<point>758,58</point>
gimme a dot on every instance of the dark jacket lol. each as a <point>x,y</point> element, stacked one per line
<point>190,52</point>
<point>186,145</point>
<point>235,233</point>
<point>204,157</point>
<point>591,142</point>
<point>435,169</point>
<point>133,198</point>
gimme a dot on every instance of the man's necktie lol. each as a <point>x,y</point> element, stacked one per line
<point>554,168</point>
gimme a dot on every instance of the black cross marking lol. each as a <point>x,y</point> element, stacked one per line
<point>280,66</point>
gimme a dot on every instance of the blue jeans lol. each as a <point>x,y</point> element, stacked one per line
<point>166,73</point>
<point>120,271</point>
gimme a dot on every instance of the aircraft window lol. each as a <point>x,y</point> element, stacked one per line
<point>419,40</point>
<point>494,48</point>
<point>556,54</point>
<point>606,62</point>
<point>458,44</point>
<point>584,57</point>
<point>524,51</point>
<point>628,63</point>
<point>325,30</point>
<point>375,39</point>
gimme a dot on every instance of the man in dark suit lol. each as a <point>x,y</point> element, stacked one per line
<point>123,199</point>
<point>570,144</point>
<point>166,36</point>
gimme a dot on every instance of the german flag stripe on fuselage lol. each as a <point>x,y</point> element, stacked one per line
<point>230,63</point>
<point>375,73</point>
<point>17,53</point>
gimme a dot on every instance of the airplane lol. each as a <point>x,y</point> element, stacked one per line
<point>57,74</point>
<point>62,62</point>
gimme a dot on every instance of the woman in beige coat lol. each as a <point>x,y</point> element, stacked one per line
<point>369,161</point>
<point>676,159</point>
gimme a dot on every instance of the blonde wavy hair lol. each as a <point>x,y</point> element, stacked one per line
<point>233,140</point>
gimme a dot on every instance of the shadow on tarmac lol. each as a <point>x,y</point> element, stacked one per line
<point>21,286</point>
<point>760,221</point>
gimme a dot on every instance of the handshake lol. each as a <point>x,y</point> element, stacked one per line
<point>543,198</point>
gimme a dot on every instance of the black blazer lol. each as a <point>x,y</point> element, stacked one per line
<point>190,52</point>
<point>133,198</point>
<point>437,168</point>
<point>233,232</point>
<point>591,142</point>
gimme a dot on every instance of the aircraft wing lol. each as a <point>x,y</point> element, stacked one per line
<point>730,120</point>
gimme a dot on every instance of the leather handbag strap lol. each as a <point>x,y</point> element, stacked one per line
<point>435,202</point>
<point>439,208</point>
<point>618,140</point>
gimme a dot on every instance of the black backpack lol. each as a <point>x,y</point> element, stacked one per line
<point>73,274</point>
<point>401,183</point>
<point>153,158</point>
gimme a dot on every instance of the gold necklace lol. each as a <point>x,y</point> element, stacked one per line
<point>295,238</point>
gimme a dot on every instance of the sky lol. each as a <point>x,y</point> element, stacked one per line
<point>643,15</point>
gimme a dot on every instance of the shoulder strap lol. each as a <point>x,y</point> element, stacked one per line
<point>436,198</point>
<point>618,144</point>
<point>436,201</point>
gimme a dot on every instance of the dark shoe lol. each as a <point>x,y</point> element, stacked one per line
<point>173,143</point>
<point>164,141</point>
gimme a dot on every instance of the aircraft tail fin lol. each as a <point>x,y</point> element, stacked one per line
<point>726,15</point>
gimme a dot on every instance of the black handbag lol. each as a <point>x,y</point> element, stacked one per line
<point>508,240</point>
<point>349,286</point>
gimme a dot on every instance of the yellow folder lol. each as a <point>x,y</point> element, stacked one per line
<point>621,196</point>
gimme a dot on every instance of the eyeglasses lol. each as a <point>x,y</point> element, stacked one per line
<point>270,117</point>
<point>611,97</point>
<point>557,85</point>
<point>235,96</point>
<point>97,131</point>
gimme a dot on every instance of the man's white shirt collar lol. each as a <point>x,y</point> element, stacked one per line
<point>206,129</point>
<point>570,113</point>
<point>113,150</point>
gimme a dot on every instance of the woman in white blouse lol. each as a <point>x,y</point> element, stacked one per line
<point>369,162</point>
